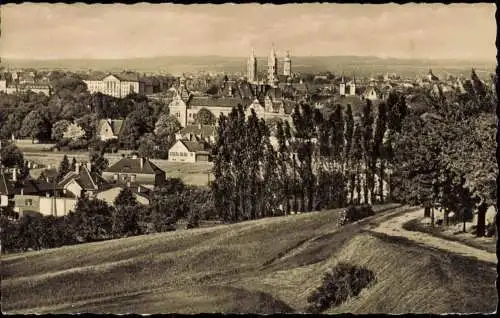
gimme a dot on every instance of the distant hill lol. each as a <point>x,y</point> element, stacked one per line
<point>362,66</point>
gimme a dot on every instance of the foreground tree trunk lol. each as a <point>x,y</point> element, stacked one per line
<point>427,212</point>
<point>381,181</point>
<point>481,219</point>
<point>432,216</point>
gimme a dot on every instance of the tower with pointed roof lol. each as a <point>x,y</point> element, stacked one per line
<point>252,68</point>
<point>272,66</point>
<point>352,86</point>
<point>287,65</point>
<point>342,86</point>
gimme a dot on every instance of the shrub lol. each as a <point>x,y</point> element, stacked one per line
<point>343,282</point>
<point>354,213</point>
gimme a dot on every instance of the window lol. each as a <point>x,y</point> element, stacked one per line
<point>191,154</point>
<point>28,202</point>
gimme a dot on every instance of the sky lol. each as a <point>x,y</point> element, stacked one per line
<point>115,31</point>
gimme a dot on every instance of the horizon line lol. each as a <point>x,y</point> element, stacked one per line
<point>482,59</point>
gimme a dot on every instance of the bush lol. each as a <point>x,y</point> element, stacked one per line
<point>354,213</point>
<point>343,282</point>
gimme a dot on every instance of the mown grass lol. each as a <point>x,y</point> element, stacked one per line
<point>264,266</point>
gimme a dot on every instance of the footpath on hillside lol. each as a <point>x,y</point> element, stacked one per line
<point>394,227</point>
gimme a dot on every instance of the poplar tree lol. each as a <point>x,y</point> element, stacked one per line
<point>348,136</point>
<point>367,141</point>
<point>378,148</point>
<point>356,158</point>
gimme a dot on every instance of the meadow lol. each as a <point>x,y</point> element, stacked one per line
<point>264,266</point>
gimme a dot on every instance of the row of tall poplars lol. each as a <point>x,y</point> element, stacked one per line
<point>319,161</point>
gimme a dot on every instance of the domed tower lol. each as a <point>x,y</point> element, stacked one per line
<point>272,66</point>
<point>252,68</point>
<point>287,65</point>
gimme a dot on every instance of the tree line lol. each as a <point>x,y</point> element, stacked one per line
<point>95,220</point>
<point>315,163</point>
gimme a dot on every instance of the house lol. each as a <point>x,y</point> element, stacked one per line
<point>134,170</point>
<point>206,133</point>
<point>117,85</point>
<point>81,182</point>
<point>39,196</point>
<point>6,190</point>
<point>188,151</point>
<point>108,129</point>
<point>141,194</point>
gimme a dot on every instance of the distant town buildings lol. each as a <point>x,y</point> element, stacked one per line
<point>20,82</point>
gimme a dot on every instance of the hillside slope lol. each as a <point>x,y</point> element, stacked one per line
<point>264,266</point>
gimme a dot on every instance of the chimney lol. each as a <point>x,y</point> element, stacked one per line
<point>128,184</point>
<point>22,190</point>
<point>142,162</point>
<point>77,167</point>
<point>88,165</point>
<point>199,125</point>
<point>139,188</point>
<point>14,175</point>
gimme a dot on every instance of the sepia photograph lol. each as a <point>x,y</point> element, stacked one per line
<point>318,158</point>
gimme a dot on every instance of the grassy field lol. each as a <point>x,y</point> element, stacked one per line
<point>191,173</point>
<point>264,266</point>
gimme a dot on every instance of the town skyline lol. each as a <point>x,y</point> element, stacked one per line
<point>172,30</point>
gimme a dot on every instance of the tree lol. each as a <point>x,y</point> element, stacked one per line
<point>125,198</point>
<point>12,125</point>
<point>205,117</point>
<point>35,126</point>
<point>167,126</point>
<point>74,132</point>
<point>125,221</point>
<point>88,123</point>
<point>356,157</point>
<point>11,155</point>
<point>147,146</point>
<point>165,129</point>
<point>73,164</point>
<point>137,124</point>
<point>64,168</point>
<point>367,145</point>
<point>59,128</point>
<point>98,161</point>
<point>378,150</point>
<point>92,219</point>
<point>348,139</point>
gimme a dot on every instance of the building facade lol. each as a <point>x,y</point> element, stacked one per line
<point>134,170</point>
<point>272,67</point>
<point>287,65</point>
<point>252,68</point>
<point>116,85</point>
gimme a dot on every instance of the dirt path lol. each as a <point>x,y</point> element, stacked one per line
<point>394,227</point>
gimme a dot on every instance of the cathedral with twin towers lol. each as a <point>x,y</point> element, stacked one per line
<point>273,77</point>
